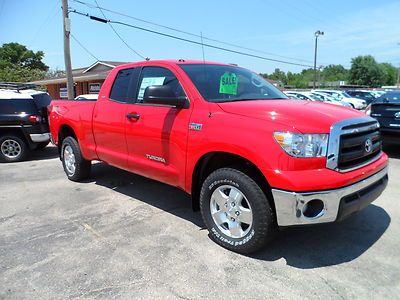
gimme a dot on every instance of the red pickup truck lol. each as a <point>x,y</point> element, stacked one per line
<point>252,159</point>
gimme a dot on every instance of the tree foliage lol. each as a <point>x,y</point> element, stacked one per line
<point>19,64</point>
<point>366,71</point>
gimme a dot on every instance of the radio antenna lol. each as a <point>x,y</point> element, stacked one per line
<point>202,46</point>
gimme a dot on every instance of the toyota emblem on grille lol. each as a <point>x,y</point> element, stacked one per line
<point>397,115</point>
<point>368,145</point>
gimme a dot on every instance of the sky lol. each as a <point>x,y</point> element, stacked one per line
<point>281,30</point>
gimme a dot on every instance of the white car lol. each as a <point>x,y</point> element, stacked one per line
<point>87,97</point>
<point>316,96</point>
<point>343,96</point>
<point>329,99</point>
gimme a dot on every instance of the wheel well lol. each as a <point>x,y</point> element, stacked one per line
<point>216,160</point>
<point>65,131</point>
<point>17,131</point>
<point>13,131</point>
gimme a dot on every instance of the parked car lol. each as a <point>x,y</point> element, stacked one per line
<point>23,121</point>
<point>316,96</point>
<point>87,97</point>
<point>386,109</point>
<point>343,96</point>
<point>377,94</point>
<point>304,96</point>
<point>365,95</point>
<point>251,158</point>
<point>329,99</point>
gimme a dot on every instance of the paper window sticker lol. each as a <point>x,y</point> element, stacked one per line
<point>228,84</point>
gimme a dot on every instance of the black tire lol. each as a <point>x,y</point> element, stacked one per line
<point>15,142</point>
<point>42,145</point>
<point>263,227</point>
<point>82,166</point>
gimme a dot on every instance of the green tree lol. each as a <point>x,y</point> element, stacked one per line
<point>18,63</point>
<point>366,71</point>
<point>335,73</point>
<point>389,73</point>
<point>278,75</point>
<point>14,54</point>
<point>20,74</point>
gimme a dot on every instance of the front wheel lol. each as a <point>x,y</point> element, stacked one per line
<point>236,211</point>
<point>75,166</point>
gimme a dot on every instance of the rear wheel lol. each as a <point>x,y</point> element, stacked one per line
<point>12,149</point>
<point>236,211</point>
<point>75,166</point>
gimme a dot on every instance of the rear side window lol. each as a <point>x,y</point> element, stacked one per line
<point>41,100</point>
<point>121,86</point>
<point>17,106</point>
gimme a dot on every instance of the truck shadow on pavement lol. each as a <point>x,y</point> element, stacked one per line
<point>302,247</point>
<point>393,151</point>
<point>154,193</point>
<point>328,244</point>
<point>47,153</point>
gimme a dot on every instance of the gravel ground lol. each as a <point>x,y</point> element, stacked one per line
<point>119,235</point>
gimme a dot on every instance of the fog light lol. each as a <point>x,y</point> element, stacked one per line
<point>314,209</point>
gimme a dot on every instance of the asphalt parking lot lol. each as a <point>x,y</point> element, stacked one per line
<point>119,235</point>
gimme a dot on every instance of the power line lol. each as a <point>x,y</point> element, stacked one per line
<point>118,35</point>
<point>83,47</point>
<point>187,40</point>
<point>189,33</point>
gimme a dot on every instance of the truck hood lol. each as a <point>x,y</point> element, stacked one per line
<point>305,116</point>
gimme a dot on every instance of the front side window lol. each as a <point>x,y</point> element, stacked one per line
<point>158,76</point>
<point>223,83</point>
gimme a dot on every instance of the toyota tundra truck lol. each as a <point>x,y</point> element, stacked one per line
<point>252,160</point>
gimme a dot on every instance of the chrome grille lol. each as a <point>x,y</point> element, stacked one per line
<point>353,144</point>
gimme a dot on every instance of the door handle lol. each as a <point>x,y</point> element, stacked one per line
<point>133,116</point>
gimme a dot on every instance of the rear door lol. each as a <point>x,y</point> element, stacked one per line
<point>109,119</point>
<point>157,137</point>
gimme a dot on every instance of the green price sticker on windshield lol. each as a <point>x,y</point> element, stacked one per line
<point>228,84</point>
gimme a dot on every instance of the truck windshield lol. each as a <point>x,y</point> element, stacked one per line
<point>222,83</point>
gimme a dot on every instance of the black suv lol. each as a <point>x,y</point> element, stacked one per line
<point>23,121</point>
<point>386,109</point>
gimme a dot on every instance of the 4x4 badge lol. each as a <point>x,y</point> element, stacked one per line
<point>195,126</point>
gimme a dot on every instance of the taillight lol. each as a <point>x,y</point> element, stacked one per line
<point>34,119</point>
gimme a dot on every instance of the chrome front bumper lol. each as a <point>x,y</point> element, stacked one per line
<point>338,203</point>
<point>40,137</point>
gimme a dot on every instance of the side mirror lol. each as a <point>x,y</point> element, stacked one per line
<point>163,95</point>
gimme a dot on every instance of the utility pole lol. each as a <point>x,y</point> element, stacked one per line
<point>317,34</point>
<point>67,50</point>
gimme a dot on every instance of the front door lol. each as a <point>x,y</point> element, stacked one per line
<point>157,135</point>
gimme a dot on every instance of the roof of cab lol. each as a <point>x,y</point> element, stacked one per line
<point>171,62</point>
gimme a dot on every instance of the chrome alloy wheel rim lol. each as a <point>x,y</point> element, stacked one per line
<point>69,159</point>
<point>11,148</point>
<point>231,211</point>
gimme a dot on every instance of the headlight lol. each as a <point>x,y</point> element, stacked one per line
<point>303,145</point>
